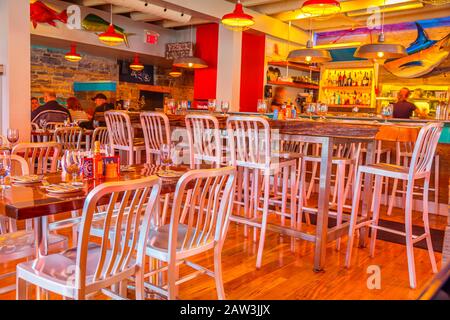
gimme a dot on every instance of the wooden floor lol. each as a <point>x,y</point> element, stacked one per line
<point>287,275</point>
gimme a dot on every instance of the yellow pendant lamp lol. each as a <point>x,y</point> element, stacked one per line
<point>175,73</point>
<point>110,37</point>
<point>72,55</point>
<point>321,7</point>
<point>238,20</point>
<point>136,65</point>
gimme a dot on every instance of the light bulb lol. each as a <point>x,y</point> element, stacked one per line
<point>308,58</point>
<point>190,64</point>
<point>380,54</point>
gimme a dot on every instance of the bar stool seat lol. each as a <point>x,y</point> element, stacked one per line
<point>387,169</point>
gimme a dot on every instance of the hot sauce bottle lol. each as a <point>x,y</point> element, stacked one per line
<point>98,161</point>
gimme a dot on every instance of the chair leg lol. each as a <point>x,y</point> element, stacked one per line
<point>340,186</point>
<point>353,217</point>
<point>436,184</point>
<point>171,280</point>
<point>262,234</point>
<point>246,198</point>
<point>312,181</point>
<point>409,235</point>
<point>393,194</point>
<point>21,289</point>
<point>301,194</point>
<point>218,273</point>
<point>426,225</point>
<point>376,211</point>
<point>139,284</point>
<point>284,195</point>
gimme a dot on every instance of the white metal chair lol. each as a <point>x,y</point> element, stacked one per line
<point>69,137</point>
<point>100,134</point>
<point>419,169</point>
<point>250,141</point>
<point>121,136</point>
<point>204,140</point>
<point>203,228</point>
<point>106,266</point>
<point>156,128</point>
<point>14,244</point>
<point>42,157</point>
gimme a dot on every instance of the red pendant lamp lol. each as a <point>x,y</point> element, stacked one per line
<point>110,37</point>
<point>238,20</point>
<point>72,55</point>
<point>136,65</point>
<point>321,7</point>
<point>175,73</point>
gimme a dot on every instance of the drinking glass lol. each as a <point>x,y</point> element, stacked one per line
<point>166,156</point>
<point>13,136</point>
<point>5,167</point>
<point>322,110</point>
<point>262,106</point>
<point>184,106</point>
<point>212,105</point>
<point>386,112</point>
<point>310,110</point>
<point>71,163</point>
<point>225,107</point>
<point>171,105</point>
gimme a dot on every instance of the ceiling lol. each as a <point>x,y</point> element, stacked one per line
<point>354,13</point>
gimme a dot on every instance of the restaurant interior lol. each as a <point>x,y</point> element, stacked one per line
<point>223,149</point>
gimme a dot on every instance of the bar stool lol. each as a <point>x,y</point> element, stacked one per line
<point>156,128</point>
<point>122,135</point>
<point>100,134</point>
<point>420,168</point>
<point>345,156</point>
<point>250,141</point>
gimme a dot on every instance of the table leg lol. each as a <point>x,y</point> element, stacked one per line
<point>367,195</point>
<point>322,212</point>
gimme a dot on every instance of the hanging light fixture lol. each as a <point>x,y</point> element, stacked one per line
<point>381,51</point>
<point>136,65</point>
<point>309,54</point>
<point>321,7</point>
<point>110,37</point>
<point>175,73</point>
<point>72,55</point>
<point>190,62</point>
<point>238,20</point>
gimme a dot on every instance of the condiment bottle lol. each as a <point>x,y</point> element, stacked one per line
<point>98,161</point>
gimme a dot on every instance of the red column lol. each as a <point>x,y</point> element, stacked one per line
<point>252,70</point>
<point>206,47</point>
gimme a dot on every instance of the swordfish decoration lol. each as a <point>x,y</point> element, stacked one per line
<point>424,55</point>
<point>41,13</point>
<point>97,24</point>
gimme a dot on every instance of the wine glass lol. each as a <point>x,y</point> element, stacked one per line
<point>211,105</point>
<point>13,136</point>
<point>310,110</point>
<point>322,110</point>
<point>184,106</point>
<point>43,124</point>
<point>386,112</point>
<point>262,106</point>
<point>165,156</point>
<point>71,162</point>
<point>225,107</point>
<point>5,167</point>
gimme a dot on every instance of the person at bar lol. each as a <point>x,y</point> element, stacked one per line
<point>34,103</point>
<point>76,111</point>
<point>403,109</point>
<point>98,118</point>
<point>279,98</point>
<point>51,111</point>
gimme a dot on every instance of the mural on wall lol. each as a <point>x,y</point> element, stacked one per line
<point>424,56</point>
<point>41,13</point>
<point>94,23</point>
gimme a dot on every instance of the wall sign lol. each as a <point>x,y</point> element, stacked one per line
<point>151,37</point>
<point>178,50</point>
<point>145,76</point>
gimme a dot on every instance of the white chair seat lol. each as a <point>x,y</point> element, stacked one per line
<point>335,160</point>
<point>386,169</point>
<point>21,244</point>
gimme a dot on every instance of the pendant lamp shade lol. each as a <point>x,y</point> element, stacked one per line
<point>110,37</point>
<point>190,62</point>
<point>175,73</point>
<point>238,20</point>
<point>309,55</point>
<point>380,51</point>
<point>136,65</point>
<point>72,55</point>
<point>321,7</point>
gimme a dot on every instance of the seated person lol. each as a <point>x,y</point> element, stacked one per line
<point>101,105</point>
<point>403,109</point>
<point>34,103</point>
<point>76,111</point>
<point>51,111</point>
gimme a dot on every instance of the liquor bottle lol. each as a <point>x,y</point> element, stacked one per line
<point>288,110</point>
<point>344,80</point>
<point>349,80</point>
<point>338,98</point>
<point>97,161</point>
<point>355,81</point>
<point>370,79</point>
<point>339,84</point>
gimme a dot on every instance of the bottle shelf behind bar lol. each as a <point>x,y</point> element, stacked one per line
<point>294,84</point>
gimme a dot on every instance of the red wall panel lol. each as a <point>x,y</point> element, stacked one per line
<point>252,70</point>
<point>207,45</point>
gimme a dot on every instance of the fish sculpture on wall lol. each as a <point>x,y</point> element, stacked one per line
<point>97,24</point>
<point>424,55</point>
<point>41,13</point>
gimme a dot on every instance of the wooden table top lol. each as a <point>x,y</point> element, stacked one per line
<point>29,201</point>
<point>87,132</point>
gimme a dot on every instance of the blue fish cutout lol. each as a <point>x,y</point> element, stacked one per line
<point>412,64</point>
<point>422,42</point>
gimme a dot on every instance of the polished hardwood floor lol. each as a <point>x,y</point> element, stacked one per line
<point>289,275</point>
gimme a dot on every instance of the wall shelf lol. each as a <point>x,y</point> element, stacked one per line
<point>294,66</point>
<point>294,85</point>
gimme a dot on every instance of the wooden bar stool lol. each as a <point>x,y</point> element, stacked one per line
<point>419,169</point>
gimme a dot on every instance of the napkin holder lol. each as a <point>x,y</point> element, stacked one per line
<point>111,167</point>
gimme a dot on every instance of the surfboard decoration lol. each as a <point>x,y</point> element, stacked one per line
<point>424,55</point>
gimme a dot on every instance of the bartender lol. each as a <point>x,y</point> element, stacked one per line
<point>403,109</point>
